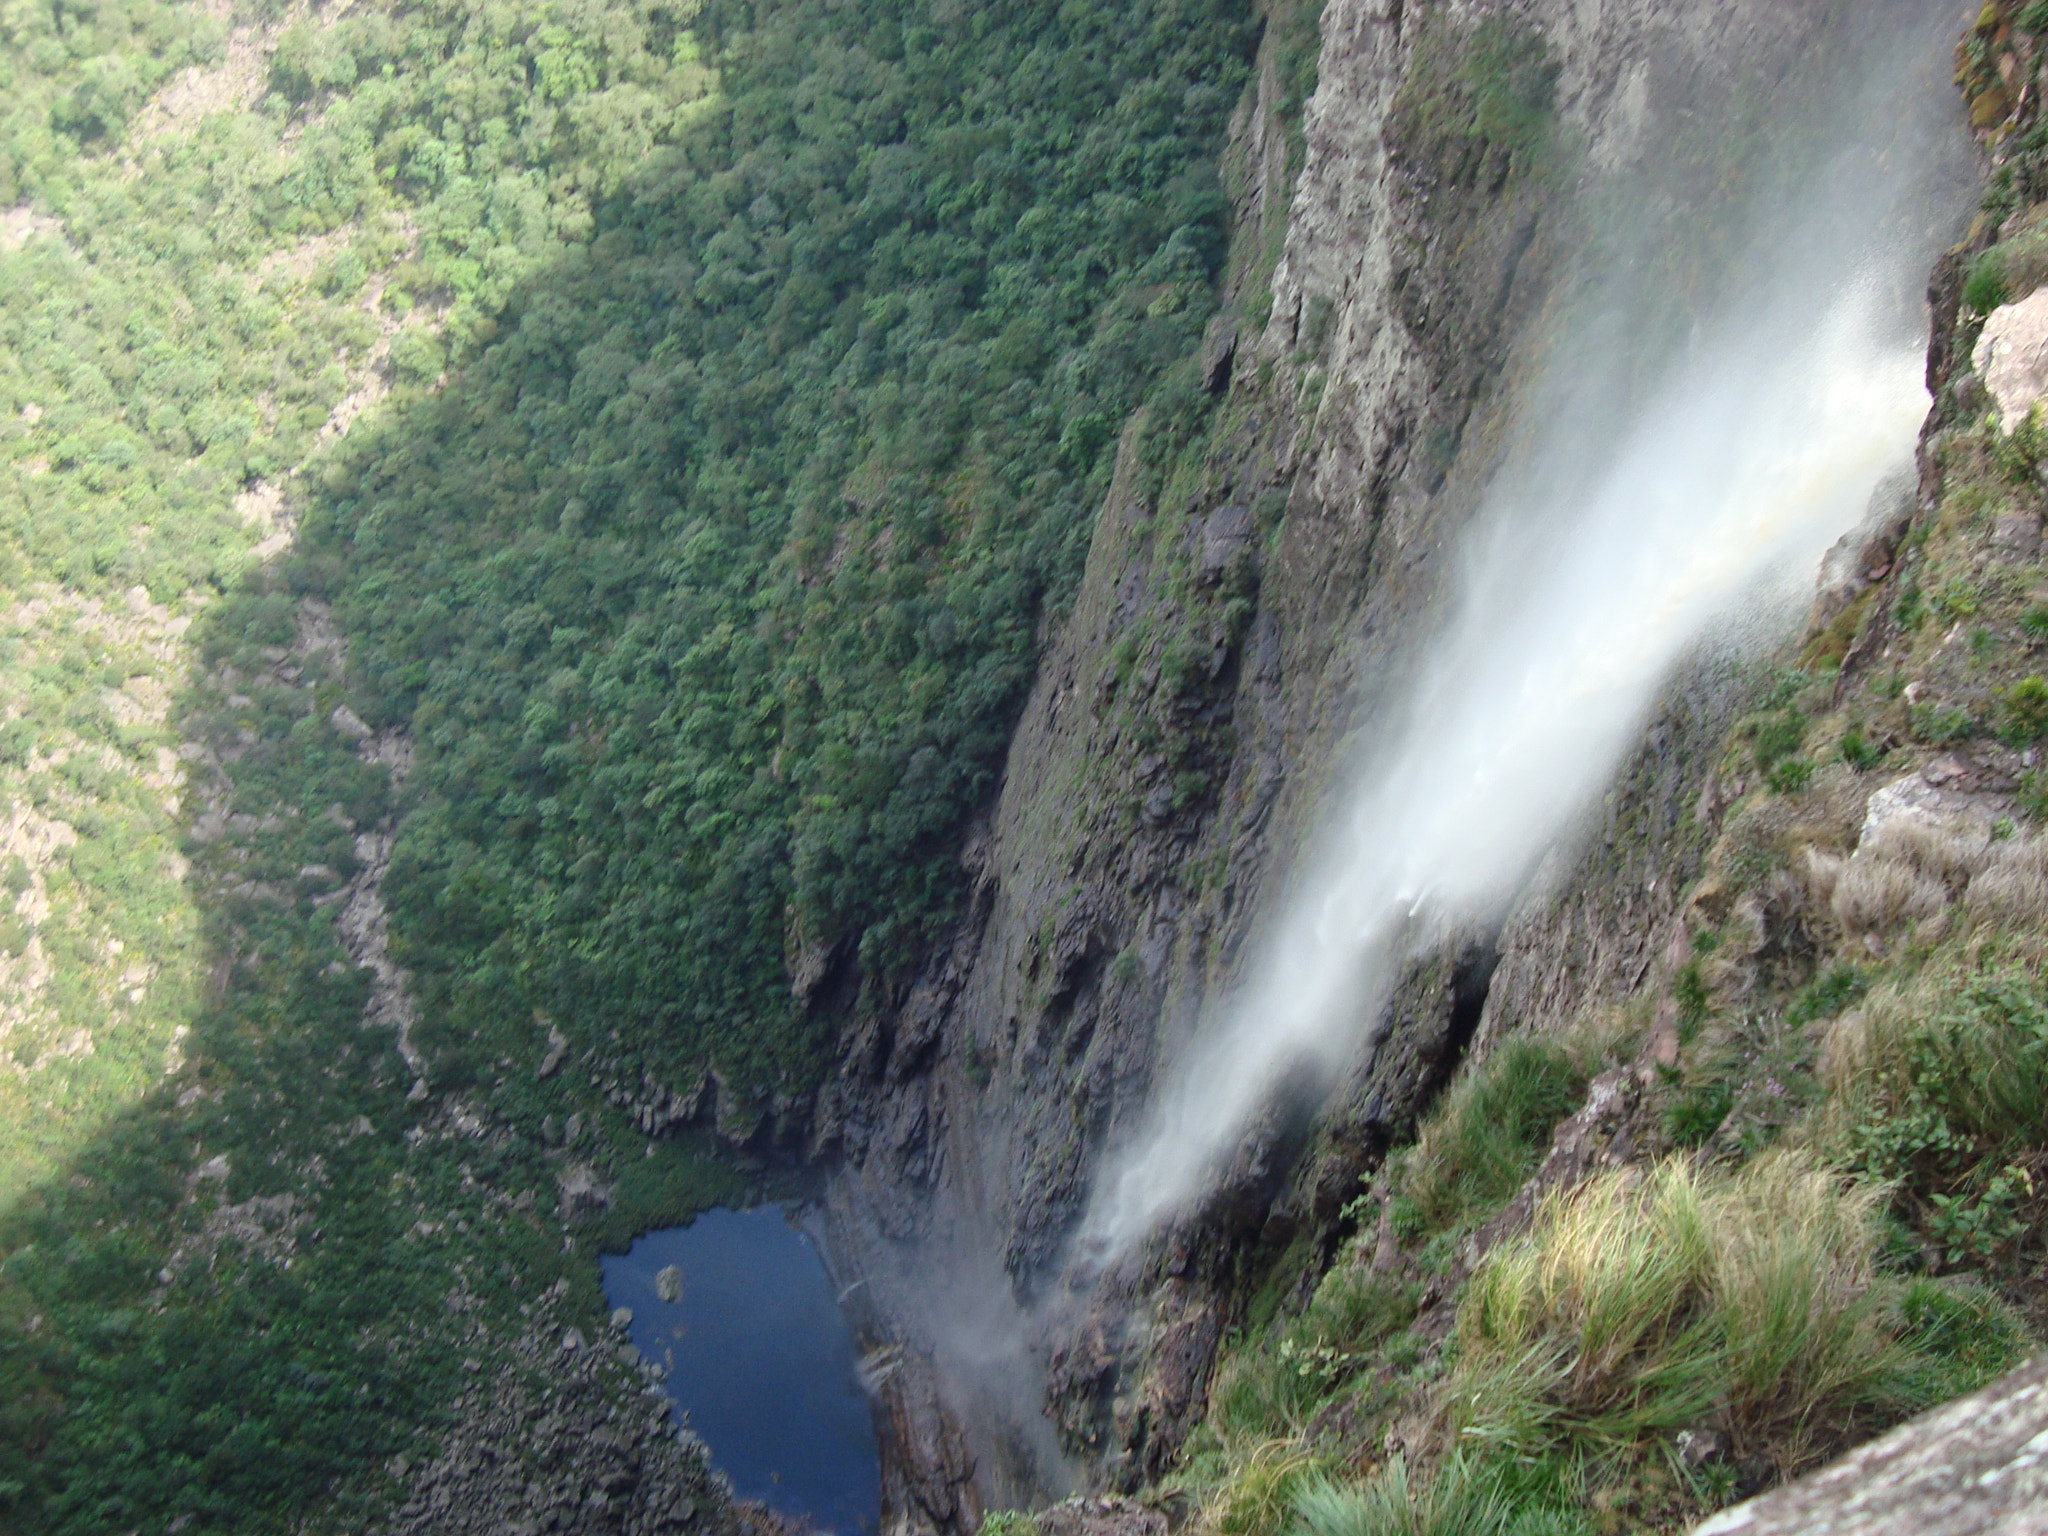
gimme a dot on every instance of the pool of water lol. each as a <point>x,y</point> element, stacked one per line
<point>760,1360</point>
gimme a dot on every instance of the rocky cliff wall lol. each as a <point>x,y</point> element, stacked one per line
<point>1466,171</point>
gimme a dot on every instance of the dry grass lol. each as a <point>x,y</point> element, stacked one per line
<point>1904,874</point>
<point>1260,1495</point>
<point>1946,851</point>
<point>2011,890</point>
<point>1641,1304</point>
<point>1876,896</point>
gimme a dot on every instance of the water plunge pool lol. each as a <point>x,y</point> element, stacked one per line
<point>760,1362</point>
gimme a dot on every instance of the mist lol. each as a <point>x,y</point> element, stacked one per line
<point>1645,512</point>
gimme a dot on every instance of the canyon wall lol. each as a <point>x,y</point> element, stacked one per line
<point>1235,634</point>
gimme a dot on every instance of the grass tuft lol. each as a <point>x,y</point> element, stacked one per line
<point>1464,1498</point>
<point>1260,1494</point>
<point>1637,1305</point>
<point>1476,1150</point>
<point>1272,1392</point>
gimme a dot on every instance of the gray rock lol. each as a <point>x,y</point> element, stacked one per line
<point>1698,1447</point>
<point>1978,1467</point>
<point>2012,357</point>
<point>2016,536</point>
<point>1101,1517</point>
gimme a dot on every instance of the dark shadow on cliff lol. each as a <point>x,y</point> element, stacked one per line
<point>642,655</point>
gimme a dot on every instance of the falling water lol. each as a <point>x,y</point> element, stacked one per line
<point>1617,546</point>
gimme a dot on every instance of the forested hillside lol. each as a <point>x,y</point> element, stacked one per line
<point>709,591</point>
<point>614,463</point>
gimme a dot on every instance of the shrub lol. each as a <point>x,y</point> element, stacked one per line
<point>1478,1148</point>
<point>2026,711</point>
<point>1972,1226</point>
<point>2018,453</point>
<point>1858,751</point>
<point>1984,287</point>
<point>1776,735</point>
<point>1639,1304</point>
<point>1941,1083</point>
<point>1697,1113</point>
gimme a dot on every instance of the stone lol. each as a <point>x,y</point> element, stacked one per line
<point>1219,352</point>
<point>558,1047</point>
<point>2012,357</point>
<point>1101,1517</point>
<point>1977,1467</point>
<point>1699,1446</point>
<point>1225,532</point>
<point>668,1283</point>
<point>622,1318</point>
<point>2017,536</point>
<point>572,1340</point>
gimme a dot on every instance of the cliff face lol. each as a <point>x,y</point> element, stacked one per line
<point>1236,628</point>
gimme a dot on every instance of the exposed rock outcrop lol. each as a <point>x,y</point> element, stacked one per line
<point>563,1438</point>
<point>1977,1467</point>
<point>1189,717</point>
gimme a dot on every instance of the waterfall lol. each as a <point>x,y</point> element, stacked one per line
<point>1617,540</point>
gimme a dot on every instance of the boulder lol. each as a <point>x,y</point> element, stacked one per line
<point>2012,357</point>
<point>1977,1467</point>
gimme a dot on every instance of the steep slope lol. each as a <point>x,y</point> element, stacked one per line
<point>1252,595</point>
<point>524,531</point>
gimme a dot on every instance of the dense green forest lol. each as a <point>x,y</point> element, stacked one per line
<point>680,424</point>
<point>709,592</point>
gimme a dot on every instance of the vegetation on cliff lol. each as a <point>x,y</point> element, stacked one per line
<point>559,500</point>
<point>1794,1186</point>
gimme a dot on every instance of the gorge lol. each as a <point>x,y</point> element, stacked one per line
<point>1161,659</point>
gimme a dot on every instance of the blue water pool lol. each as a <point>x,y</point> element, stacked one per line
<point>760,1359</point>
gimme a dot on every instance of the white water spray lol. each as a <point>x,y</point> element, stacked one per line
<point>1716,502</point>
